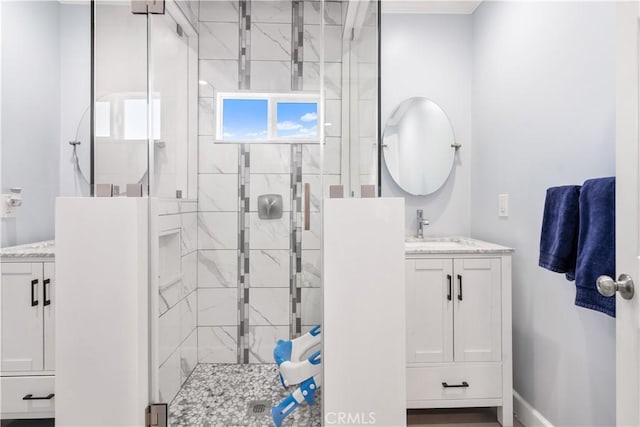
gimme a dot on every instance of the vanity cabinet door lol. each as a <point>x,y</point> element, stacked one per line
<point>48,306</point>
<point>429,310</point>
<point>477,323</point>
<point>22,324</point>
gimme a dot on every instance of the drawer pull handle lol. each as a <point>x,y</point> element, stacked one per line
<point>463,385</point>
<point>34,301</point>
<point>47,397</point>
<point>44,291</point>
<point>460,282</point>
<point>449,292</point>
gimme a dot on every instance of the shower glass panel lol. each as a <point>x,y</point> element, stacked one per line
<point>120,154</point>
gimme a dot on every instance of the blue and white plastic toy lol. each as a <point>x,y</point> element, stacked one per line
<point>299,362</point>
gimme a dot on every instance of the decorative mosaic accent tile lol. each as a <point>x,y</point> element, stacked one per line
<point>218,394</point>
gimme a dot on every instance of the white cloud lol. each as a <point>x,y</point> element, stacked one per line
<point>262,134</point>
<point>228,135</point>
<point>309,117</point>
<point>287,125</point>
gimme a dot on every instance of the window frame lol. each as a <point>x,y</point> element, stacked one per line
<point>272,117</point>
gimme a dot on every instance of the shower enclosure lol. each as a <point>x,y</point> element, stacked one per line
<point>216,107</point>
<point>233,120</point>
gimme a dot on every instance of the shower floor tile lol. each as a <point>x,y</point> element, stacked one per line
<point>219,394</point>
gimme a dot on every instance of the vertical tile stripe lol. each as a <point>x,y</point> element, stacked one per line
<point>295,252</point>
<point>297,19</point>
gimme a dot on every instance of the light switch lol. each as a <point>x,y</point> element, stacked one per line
<point>503,205</point>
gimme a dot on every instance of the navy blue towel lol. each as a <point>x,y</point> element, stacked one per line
<point>596,243</point>
<point>559,236</point>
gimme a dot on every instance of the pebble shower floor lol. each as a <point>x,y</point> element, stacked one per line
<point>219,395</point>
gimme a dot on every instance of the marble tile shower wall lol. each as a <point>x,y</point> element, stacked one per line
<point>178,295</point>
<point>259,280</point>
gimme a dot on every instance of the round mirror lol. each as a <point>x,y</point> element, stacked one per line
<point>419,146</point>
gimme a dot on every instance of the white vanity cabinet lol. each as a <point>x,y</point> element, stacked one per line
<point>458,308</point>
<point>28,331</point>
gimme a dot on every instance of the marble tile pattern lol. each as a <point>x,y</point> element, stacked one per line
<point>218,395</point>
<point>271,42</point>
<point>178,344</point>
<point>219,11</point>
<point>219,40</point>
<point>252,274</point>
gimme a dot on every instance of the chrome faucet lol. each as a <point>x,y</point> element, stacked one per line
<point>421,223</point>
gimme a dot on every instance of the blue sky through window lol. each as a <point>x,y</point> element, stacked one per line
<point>244,119</point>
<point>297,120</point>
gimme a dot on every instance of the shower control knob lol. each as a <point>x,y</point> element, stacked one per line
<point>608,287</point>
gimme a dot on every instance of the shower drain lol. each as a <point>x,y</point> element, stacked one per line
<point>259,408</point>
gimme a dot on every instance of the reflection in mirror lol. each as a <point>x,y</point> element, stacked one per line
<point>419,146</point>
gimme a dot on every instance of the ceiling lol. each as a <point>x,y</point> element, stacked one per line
<point>430,6</point>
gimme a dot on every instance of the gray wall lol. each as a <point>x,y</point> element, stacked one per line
<point>30,116</point>
<point>430,56</point>
<point>544,115</point>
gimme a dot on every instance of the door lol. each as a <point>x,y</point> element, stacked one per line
<point>477,311</point>
<point>48,307</point>
<point>22,317</point>
<point>627,212</point>
<point>429,310</point>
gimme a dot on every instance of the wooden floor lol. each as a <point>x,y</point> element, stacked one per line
<point>467,417</point>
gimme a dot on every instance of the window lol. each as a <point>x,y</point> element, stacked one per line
<point>297,120</point>
<point>246,117</point>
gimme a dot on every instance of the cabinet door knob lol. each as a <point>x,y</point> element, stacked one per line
<point>460,289</point>
<point>450,287</point>
<point>34,301</point>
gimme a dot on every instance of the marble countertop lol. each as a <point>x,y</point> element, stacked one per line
<point>452,245</point>
<point>30,250</point>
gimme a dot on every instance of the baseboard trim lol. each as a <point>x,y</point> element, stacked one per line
<point>527,414</point>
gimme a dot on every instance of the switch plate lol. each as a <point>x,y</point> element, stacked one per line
<point>503,205</point>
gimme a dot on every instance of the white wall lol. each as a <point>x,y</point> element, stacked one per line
<point>30,116</point>
<point>543,115</point>
<point>430,56</point>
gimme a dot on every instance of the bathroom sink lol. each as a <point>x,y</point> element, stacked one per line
<point>453,244</point>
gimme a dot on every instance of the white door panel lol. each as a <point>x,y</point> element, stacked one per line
<point>22,348</point>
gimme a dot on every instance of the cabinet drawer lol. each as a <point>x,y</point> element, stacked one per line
<point>14,389</point>
<point>426,383</point>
